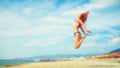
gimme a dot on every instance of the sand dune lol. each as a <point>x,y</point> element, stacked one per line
<point>87,63</point>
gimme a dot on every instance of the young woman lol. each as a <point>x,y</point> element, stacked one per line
<point>80,23</point>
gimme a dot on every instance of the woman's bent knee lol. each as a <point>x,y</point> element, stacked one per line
<point>76,46</point>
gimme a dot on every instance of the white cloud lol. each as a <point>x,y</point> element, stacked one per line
<point>46,41</point>
<point>12,19</point>
<point>27,11</point>
<point>115,41</point>
<point>12,24</point>
<point>57,20</point>
<point>95,37</point>
<point>40,30</point>
<point>94,4</point>
<point>100,4</point>
<point>110,40</point>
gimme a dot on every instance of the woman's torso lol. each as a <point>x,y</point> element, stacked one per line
<point>76,24</point>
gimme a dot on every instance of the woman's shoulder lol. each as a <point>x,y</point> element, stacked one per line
<point>79,15</point>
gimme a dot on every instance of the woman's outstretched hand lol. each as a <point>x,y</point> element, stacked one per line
<point>89,31</point>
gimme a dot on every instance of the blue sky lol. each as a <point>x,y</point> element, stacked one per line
<point>44,27</point>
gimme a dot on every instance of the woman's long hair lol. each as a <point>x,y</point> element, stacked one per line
<point>84,16</point>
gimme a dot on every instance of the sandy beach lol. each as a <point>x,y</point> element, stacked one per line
<point>87,63</point>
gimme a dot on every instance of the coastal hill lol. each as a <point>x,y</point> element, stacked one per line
<point>115,51</point>
<point>111,54</point>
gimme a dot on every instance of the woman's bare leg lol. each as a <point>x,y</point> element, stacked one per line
<point>82,39</point>
<point>78,40</point>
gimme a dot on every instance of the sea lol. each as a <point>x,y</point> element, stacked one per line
<point>13,62</point>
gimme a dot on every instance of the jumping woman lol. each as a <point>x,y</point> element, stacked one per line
<point>79,23</point>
